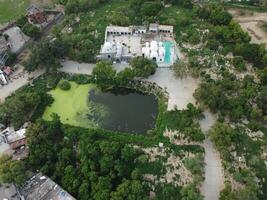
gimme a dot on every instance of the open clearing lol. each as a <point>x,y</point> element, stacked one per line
<point>70,105</point>
<point>12,9</point>
<point>251,22</point>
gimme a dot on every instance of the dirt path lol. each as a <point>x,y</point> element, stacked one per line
<point>214,180</point>
<point>251,22</point>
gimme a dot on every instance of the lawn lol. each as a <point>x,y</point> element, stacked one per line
<point>71,106</point>
<point>12,9</point>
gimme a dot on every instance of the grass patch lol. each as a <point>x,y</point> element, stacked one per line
<point>12,9</point>
<point>71,105</point>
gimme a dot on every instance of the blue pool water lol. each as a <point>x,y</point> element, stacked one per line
<point>168,46</point>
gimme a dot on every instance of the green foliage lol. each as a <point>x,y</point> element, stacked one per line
<point>195,165</point>
<point>190,192</point>
<point>150,8</point>
<point>106,167</point>
<point>222,136</point>
<point>20,22</point>
<point>167,191</point>
<point>219,96</point>
<point>31,30</point>
<point>12,171</point>
<point>143,67</point>
<point>46,54</point>
<point>130,190</point>
<point>263,76</point>
<point>239,63</point>
<point>215,14</point>
<point>182,120</point>
<point>65,85</point>
<point>254,53</point>
<point>104,74</point>
<point>18,108</point>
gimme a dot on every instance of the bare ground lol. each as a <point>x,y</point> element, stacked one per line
<point>251,22</point>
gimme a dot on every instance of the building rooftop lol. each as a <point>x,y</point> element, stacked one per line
<point>118,29</point>
<point>32,9</point>
<point>43,188</point>
<point>9,191</point>
<point>3,44</point>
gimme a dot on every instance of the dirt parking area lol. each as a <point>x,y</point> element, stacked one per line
<point>252,22</point>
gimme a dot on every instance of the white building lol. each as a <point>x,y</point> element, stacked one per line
<point>3,79</point>
<point>125,43</point>
<point>154,51</point>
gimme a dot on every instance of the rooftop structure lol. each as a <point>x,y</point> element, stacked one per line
<point>13,143</point>
<point>40,187</point>
<point>153,42</point>
<point>9,192</point>
<point>17,39</point>
<point>35,15</point>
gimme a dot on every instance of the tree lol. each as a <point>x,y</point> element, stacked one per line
<point>143,67</point>
<point>227,193</point>
<point>130,190</point>
<point>46,53</point>
<point>17,109</point>
<point>31,30</point>
<point>222,136</point>
<point>124,76</point>
<point>150,8</point>
<point>104,74</point>
<point>263,76</point>
<point>190,192</point>
<point>65,85</point>
<point>12,171</point>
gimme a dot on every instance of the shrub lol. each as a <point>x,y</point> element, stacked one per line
<point>64,85</point>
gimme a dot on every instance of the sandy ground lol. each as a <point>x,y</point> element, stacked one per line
<point>214,179</point>
<point>251,22</point>
<point>19,79</point>
<point>180,89</point>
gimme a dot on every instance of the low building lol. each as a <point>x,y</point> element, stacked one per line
<point>35,15</point>
<point>155,42</point>
<point>40,187</point>
<point>13,143</point>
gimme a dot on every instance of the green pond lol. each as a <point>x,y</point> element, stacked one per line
<point>117,109</point>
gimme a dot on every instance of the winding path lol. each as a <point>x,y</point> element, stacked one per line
<point>214,180</point>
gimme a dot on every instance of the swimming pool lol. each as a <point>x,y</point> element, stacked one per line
<point>168,46</point>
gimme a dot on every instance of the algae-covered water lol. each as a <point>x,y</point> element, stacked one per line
<point>118,109</point>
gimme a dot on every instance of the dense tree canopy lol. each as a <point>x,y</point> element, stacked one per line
<point>17,110</point>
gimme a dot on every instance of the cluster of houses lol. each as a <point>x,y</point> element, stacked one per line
<point>154,42</point>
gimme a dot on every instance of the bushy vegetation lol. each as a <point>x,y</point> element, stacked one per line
<point>64,85</point>
<point>93,164</point>
<point>18,109</point>
<point>27,28</point>
<point>45,54</point>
